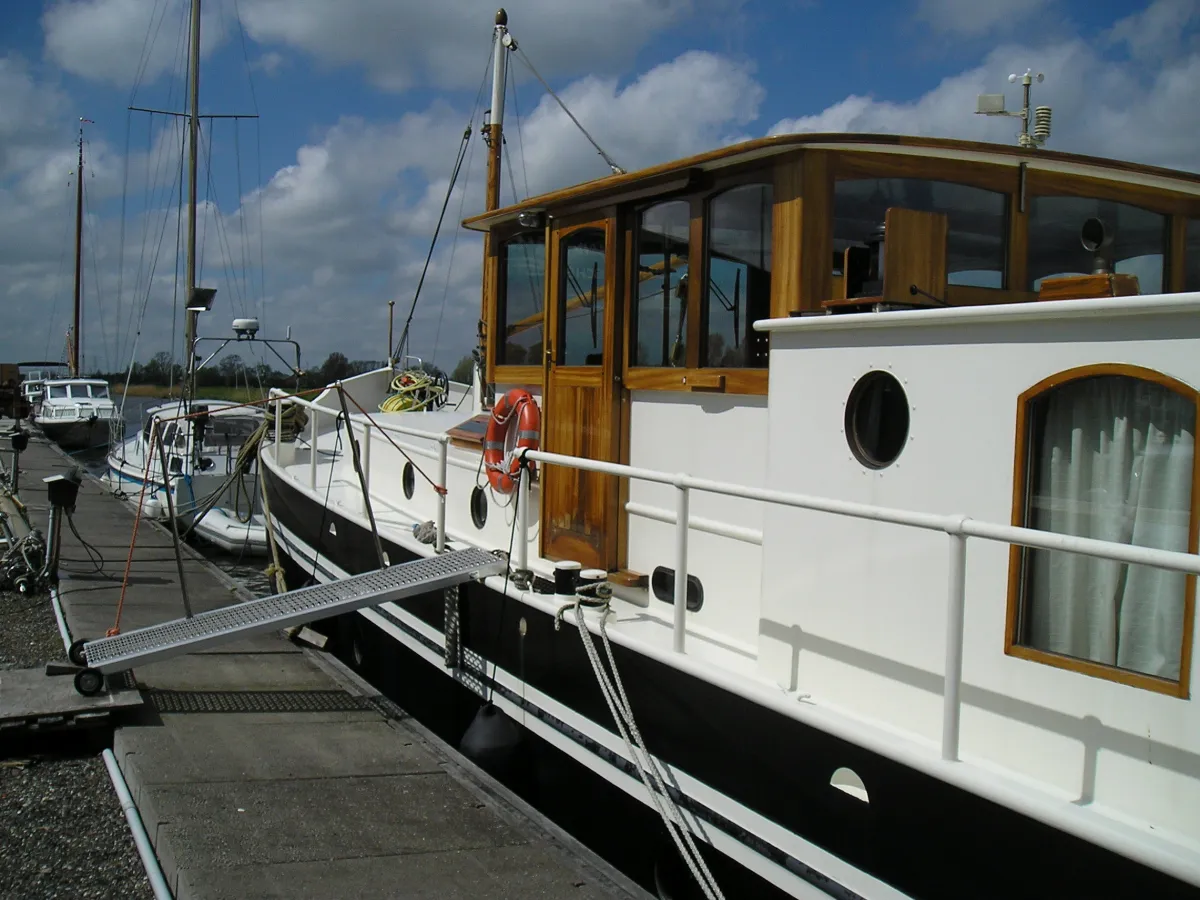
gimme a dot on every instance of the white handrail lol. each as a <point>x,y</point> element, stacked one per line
<point>369,426</point>
<point>957,527</point>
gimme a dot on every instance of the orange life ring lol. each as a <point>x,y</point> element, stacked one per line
<point>515,424</point>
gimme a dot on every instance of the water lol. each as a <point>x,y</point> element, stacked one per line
<point>250,572</point>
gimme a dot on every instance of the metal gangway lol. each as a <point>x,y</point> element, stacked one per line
<point>158,642</point>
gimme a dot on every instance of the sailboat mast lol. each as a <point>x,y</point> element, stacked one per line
<point>193,142</point>
<point>494,134</point>
<point>75,361</point>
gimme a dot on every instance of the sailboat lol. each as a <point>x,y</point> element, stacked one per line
<point>76,413</point>
<point>897,599</point>
<point>193,460</point>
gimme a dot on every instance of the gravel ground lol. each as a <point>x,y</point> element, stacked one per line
<point>62,832</point>
<point>28,632</point>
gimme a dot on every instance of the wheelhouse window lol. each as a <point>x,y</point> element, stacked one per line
<point>1111,457</point>
<point>661,297</point>
<point>581,318</point>
<point>1055,246</point>
<point>978,221</point>
<point>57,392</point>
<point>738,276</point>
<point>1191,277</point>
<point>100,391</point>
<point>519,311</point>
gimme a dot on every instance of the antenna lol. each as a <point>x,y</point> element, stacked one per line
<point>993,105</point>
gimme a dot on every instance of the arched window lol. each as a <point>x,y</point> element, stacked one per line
<point>1106,452</point>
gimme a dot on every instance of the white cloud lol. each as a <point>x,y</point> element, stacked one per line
<point>1156,31</point>
<point>446,42</point>
<point>118,40</point>
<point>974,18</point>
<point>1101,107</point>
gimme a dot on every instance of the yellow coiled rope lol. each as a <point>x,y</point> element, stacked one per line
<point>414,390</point>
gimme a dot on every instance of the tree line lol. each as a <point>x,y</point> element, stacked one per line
<point>233,371</point>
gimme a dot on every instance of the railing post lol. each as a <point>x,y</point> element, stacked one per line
<point>523,517</point>
<point>681,564</point>
<point>443,441</point>
<point>366,463</point>
<point>278,429</point>
<point>312,449</point>
<point>955,611</point>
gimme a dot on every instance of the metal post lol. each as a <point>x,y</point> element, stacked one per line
<point>312,449</point>
<point>681,569</point>
<point>955,610</point>
<point>443,441</point>
<point>523,517</point>
<point>366,464</point>
<point>155,438</point>
<point>278,430</point>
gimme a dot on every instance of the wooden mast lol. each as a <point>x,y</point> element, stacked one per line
<point>493,136</point>
<point>193,140</point>
<point>75,360</point>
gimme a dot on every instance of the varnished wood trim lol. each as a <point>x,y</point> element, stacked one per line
<point>777,144</point>
<point>1062,184</point>
<point>666,378</point>
<point>490,312</point>
<point>786,230</point>
<point>851,165</point>
<point>697,252</point>
<point>1016,554</point>
<point>516,375</point>
<point>816,233</point>
<point>1176,279</point>
<point>1099,670</point>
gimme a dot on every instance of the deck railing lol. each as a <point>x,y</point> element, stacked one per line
<point>957,528</point>
<point>440,455</point>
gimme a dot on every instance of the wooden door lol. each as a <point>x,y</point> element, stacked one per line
<point>581,402</point>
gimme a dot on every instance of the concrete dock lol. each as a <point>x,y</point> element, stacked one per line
<point>264,768</point>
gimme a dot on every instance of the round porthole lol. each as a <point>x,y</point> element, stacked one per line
<point>479,507</point>
<point>408,480</point>
<point>877,420</point>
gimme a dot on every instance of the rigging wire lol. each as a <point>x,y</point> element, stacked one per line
<point>617,170</point>
<point>108,359</point>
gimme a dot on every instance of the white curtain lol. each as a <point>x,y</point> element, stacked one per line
<point>1112,459</point>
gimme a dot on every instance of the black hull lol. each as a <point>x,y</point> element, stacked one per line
<point>918,834</point>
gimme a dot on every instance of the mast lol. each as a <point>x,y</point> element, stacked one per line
<point>493,136</point>
<point>193,140</point>
<point>75,360</point>
<point>494,130</point>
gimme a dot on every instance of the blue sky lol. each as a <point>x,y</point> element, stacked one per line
<point>363,104</point>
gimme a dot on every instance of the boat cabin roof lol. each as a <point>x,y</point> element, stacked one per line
<point>677,174</point>
<point>57,381</point>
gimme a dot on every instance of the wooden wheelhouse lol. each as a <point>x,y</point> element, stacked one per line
<point>639,284</point>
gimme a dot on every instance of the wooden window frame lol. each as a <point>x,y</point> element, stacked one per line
<point>1017,554</point>
<point>1177,207</point>
<point>694,377</point>
<point>1001,179</point>
<point>495,280</point>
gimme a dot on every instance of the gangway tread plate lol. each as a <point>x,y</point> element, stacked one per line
<point>146,645</point>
